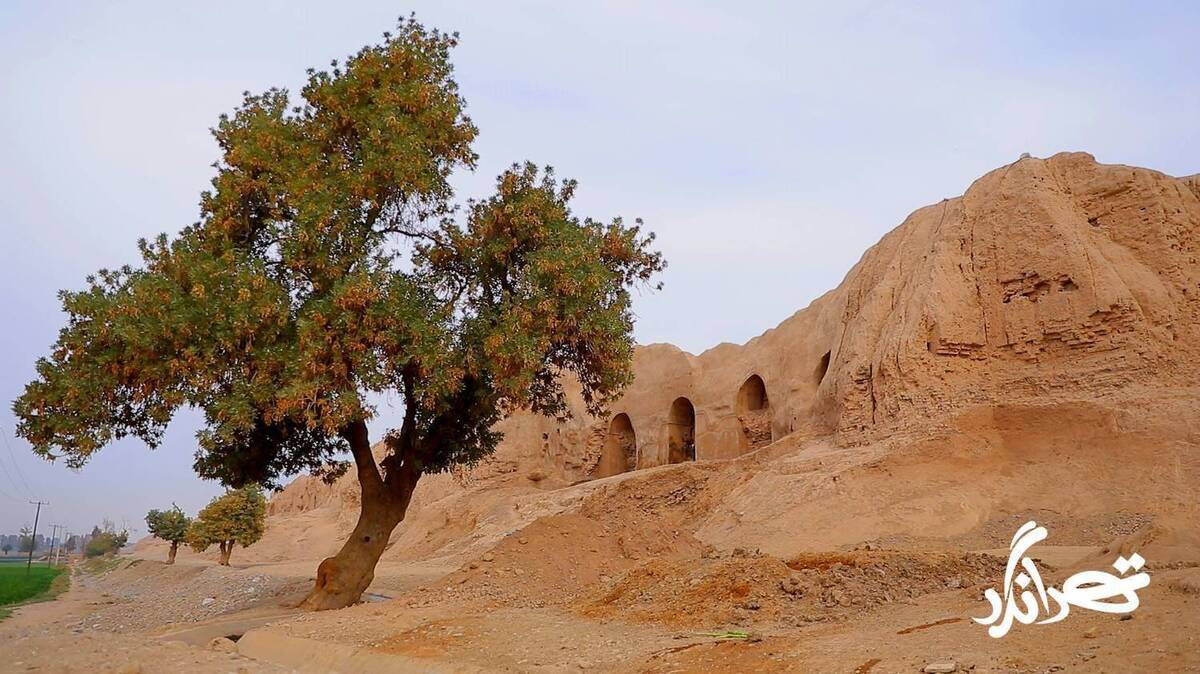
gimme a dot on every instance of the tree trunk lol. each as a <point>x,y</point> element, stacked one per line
<point>226,550</point>
<point>342,579</point>
<point>171,554</point>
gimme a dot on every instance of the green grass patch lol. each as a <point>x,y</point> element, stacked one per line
<point>19,585</point>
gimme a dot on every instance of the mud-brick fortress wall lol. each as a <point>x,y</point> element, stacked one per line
<point>1048,279</point>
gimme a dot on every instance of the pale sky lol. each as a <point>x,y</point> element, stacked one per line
<point>768,145</point>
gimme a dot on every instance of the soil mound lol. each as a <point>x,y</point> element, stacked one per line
<point>748,588</point>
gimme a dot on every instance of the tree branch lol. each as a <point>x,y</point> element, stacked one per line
<point>403,467</point>
<point>360,446</point>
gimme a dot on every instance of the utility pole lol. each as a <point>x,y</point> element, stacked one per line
<point>33,536</point>
<point>56,542</point>
<point>53,532</point>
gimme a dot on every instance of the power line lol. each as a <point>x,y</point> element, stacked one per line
<point>16,465</point>
<point>6,494</point>
<point>13,483</point>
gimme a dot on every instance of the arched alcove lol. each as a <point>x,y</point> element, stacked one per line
<point>822,368</point>
<point>752,396</point>
<point>619,454</point>
<point>754,412</point>
<point>681,431</point>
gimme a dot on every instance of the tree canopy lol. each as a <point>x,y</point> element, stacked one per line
<point>290,301</point>
<point>107,542</point>
<point>330,264</point>
<point>238,516</point>
<point>26,542</point>
<point>169,525</point>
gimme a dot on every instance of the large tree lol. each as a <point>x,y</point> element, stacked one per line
<point>169,525</point>
<point>329,264</point>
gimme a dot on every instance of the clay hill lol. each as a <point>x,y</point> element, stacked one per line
<point>1028,350</point>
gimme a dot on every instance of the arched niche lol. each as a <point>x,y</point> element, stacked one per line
<point>752,396</point>
<point>619,454</point>
<point>681,431</point>
<point>822,369</point>
<point>754,412</point>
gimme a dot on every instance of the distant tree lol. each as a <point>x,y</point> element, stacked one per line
<point>105,540</point>
<point>71,544</point>
<point>26,542</point>
<point>105,543</point>
<point>6,547</point>
<point>237,517</point>
<point>169,525</point>
<point>329,266</point>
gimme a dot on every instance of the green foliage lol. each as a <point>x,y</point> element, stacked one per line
<point>17,585</point>
<point>169,525</point>
<point>239,516</point>
<point>105,543</point>
<point>329,265</point>
<point>26,542</point>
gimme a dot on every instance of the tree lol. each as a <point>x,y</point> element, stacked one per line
<point>329,264</point>
<point>7,547</point>
<point>107,542</point>
<point>237,517</point>
<point>26,542</point>
<point>169,525</point>
<point>71,544</point>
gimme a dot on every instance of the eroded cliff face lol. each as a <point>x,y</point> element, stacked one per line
<point>1047,278</point>
<point>1056,278</point>
<point>1050,280</point>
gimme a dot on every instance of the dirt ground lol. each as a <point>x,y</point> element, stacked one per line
<point>706,567</point>
<point>71,634</point>
<point>652,618</point>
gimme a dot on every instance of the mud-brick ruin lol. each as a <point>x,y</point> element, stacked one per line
<point>1049,278</point>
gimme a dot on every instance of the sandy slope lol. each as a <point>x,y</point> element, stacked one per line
<point>824,552</point>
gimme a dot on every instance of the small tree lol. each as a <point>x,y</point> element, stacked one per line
<point>6,547</point>
<point>169,525</point>
<point>106,542</point>
<point>26,543</point>
<point>237,517</point>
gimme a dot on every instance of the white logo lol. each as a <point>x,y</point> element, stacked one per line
<point>1086,589</point>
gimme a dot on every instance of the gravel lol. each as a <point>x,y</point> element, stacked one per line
<point>142,594</point>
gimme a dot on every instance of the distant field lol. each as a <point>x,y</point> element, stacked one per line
<point>17,585</point>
